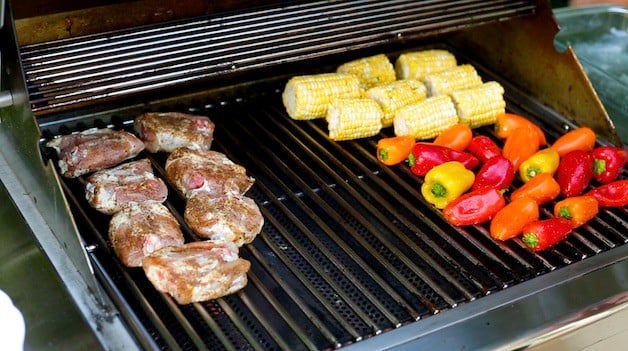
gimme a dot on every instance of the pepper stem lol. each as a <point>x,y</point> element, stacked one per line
<point>530,239</point>
<point>439,190</point>
<point>599,166</point>
<point>383,154</point>
<point>533,171</point>
<point>410,160</point>
<point>564,212</point>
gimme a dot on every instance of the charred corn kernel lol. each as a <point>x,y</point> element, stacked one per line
<point>418,64</point>
<point>480,105</point>
<point>451,79</point>
<point>353,118</point>
<point>307,97</point>
<point>370,71</point>
<point>392,96</point>
<point>426,119</point>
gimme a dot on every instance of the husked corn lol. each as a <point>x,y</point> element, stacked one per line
<point>426,119</point>
<point>307,97</point>
<point>392,96</point>
<point>353,118</point>
<point>370,71</point>
<point>455,78</point>
<point>479,106</point>
<point>417,64</point>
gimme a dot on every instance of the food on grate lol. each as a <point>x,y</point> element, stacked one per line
<point>510,220</point>
<point>542,188</point>
<point>353,118</point>
<point>94,149</point>
<point>582,139</point>
<point>507,123</point>
<point>520,145</point>
<point>613,194</point>
<point>608,163</point>
<point>479,105</point>
<point>191,171</point>
<point>574,172</point>
<point>543,161</point>
<point>445,183</point>
<point>444,82</point>
<point>456,137</point>
<point>393,150</point>
<point>418,64</point>
<point>197,271</point>
<point>370,71</point>
<point>497,172</point>
<point>426,119</point>
<point>110,190</point>
<point>138,230</point>
<point>171,130</point>
<point>545,233</point>
<point>230,217</point>
<point>474,207</point>
<point>425,156</point>
<point>392,96</point>
<point>307,97</point>
<point>577,209</point>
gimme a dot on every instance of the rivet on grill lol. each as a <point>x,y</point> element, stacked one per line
<point>90,248</point>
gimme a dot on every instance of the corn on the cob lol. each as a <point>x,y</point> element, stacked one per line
<point>307,97</point>
<point>370,71</point>
<point>416,65</point>
<point>392,96</point>
<point>444,82</point>
<point>353,118</point>
<point>479,106</point>
<point>426,119</point>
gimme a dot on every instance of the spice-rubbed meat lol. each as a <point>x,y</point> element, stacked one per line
<point>171,130</point>
<point>191,171</point>
<point>94,149</point>
<point>231,217</point>
<point>110,190</point>
<point>138,230</point>
<point>197,271</point>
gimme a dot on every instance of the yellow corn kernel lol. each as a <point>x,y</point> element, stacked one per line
<point>444,82</point>
<point>418,64</point>
<point>479,106</point>
<point>392,96</point>
<point>426,119</point>
<point>307,97</point>
<point>370,71</point>
<point>353,118</point>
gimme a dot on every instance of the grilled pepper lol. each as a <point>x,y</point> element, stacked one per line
<point>577,209</point>
<point>574,172</point>
<point>542,188</point>
<point>608,161</point>
<point>511,219</point>
<point>497,172</point>
<point>613,194</point>
<point>540,235</point>
<point>393,150</point>
<point>456,137</point>
<point>544,161</point>
<point>582,139</point>
<point>483,148</point>
<point>475,207</point>
<point>520,145</point>
<point>446,182</point>
<point>507,123</point>
<point>425,156</point>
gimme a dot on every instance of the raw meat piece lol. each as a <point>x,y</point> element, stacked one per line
<point>140,229</point>
<point>94,149</point>
<point>197,271</point>
<point>171,130</point>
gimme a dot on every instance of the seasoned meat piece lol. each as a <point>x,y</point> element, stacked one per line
<point>110,190</point>
<point>171,130</point>
<point>192,171</point>
<point>197,271</point>
<point>94,149</point>
<point>231,217</point>
<point>140,229</point>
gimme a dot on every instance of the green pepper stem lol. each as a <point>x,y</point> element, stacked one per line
<point>533,171</point>
<point>564,212</point>
<point>599,166</point>
<point>530,239</point>
<point>383,154</point>
<point>410,160</point>
<point>439,190</point>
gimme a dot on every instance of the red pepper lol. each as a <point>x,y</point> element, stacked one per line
<point>497,172</point>
<point>545,233</point>
<point>474,207</point>
<point>608,162</point>
<point>484,148</point>
<point>574,172</point>
<point>425,156</point>
<point>613,194</point>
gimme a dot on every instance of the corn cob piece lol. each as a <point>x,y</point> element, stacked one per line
<point>479,106</point>
<point>418,64</point>
<point>353,118</point>
<point>307,97</point>
<point>370,71</point>
<point>444,82</point>
<point>426,119</point>
<point>392,96</point>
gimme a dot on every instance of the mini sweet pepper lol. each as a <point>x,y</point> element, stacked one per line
<point>608,162</point>
<point>425,156</point>
<point>543,161</point>
<point>446,182</point>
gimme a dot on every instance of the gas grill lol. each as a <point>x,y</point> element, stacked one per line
<point>350,255</point>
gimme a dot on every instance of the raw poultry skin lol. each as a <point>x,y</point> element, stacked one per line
<point>171,130</point>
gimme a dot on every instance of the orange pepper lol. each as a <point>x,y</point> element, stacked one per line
<point>520,146</point>
<point>456,137</point>
<point>542,188</point>
<point>394,150</point>
<point>577,209</point>
<point>507,123</point>
<point>582,138</point>
<point>510,220</point>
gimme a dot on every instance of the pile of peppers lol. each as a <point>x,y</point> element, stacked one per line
<point>473,181</point>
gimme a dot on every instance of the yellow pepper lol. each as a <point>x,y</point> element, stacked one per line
<point>446,182</point>
<point>543,161</point>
